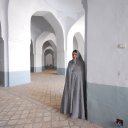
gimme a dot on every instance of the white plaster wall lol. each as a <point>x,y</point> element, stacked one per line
<point>19,36</point>
<point>78,27</point>
<point>107,28</point>
<point>19,58</point>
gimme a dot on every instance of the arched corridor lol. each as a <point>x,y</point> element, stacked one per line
<point>36,105</point>
<point>36,35</point>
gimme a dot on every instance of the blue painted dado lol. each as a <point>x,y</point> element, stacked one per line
<point>37,69</point>
<point>9,79</point>
<point>105,103</point>
<point>18,78</point>
<point>61,71</point>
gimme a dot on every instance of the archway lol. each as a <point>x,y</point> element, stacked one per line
<point>45,40</point>
<point>41,31</point>
<point>50,48</point>
<point>76,37</point>
<point>78,43</point>
<point>59,39</point>
<point>49,59</point>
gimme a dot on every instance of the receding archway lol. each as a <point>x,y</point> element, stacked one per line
<point>45,40</point>
<point>59,38</point>
<point>49,58</point>
<point>78,43</point>
<point>50,47</point>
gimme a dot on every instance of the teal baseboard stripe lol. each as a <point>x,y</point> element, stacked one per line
<point>19,78</point>
<point>105,103</point>
<point>61,71</point>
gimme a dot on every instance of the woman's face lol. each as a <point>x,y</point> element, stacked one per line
<point>74,55</point>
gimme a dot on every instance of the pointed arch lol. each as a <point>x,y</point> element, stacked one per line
<point>59,37</point>
<point>76,35</point>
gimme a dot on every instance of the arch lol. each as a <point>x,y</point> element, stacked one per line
<point>44,37</point>
<point>44,40</point>
<point>59,38</point>
<point>49,51</point>
<point>55,24</point>
<point>46,44</point>
<point>46,53</point>
<point>49,45</point>
<point>76,36</point>
<point>39,25</point>
<point>79,42</point>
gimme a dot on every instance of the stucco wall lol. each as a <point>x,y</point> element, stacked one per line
<point>107,71</point>
<point>107,28</point>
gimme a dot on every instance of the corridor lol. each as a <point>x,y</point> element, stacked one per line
<point>36,105</point>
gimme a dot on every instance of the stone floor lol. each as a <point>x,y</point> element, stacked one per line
<point>36,105</point>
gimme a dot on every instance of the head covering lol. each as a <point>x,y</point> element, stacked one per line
<point>79,57</point>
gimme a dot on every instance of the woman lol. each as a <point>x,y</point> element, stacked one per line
<point>74,96</point>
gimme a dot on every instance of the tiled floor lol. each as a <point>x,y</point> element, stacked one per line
<point>36,105</point>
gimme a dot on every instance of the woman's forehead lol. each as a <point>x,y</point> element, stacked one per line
<point>74,53</point>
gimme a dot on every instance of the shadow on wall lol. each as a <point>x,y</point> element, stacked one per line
<point>1,59</point>
<point>1,62</point>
